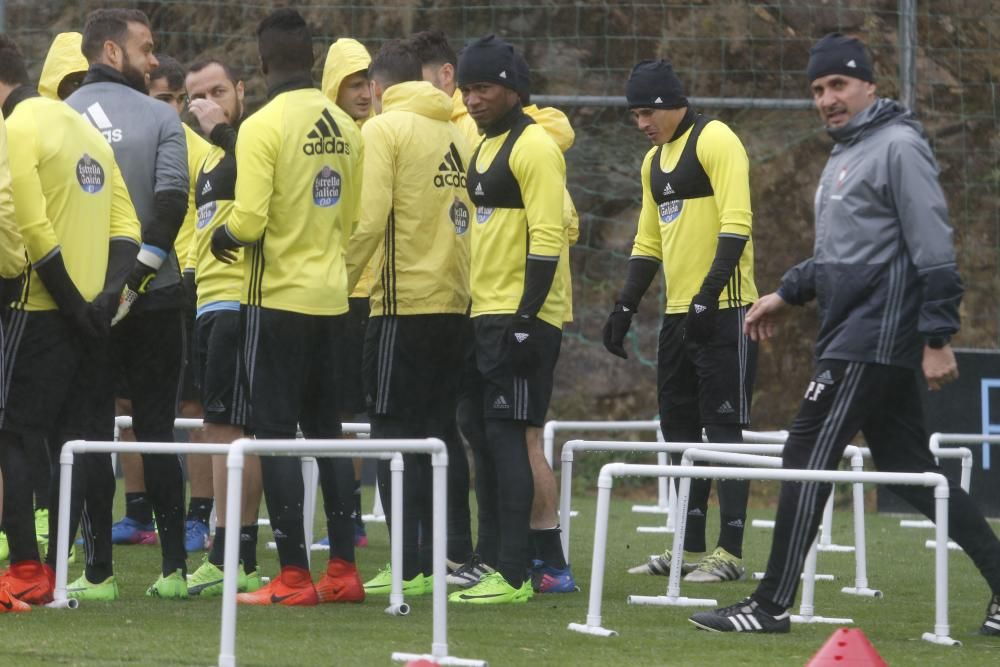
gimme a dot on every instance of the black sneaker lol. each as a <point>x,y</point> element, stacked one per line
<point>991,626</point>
<point>745,616</point>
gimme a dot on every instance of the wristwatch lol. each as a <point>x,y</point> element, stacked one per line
<point>937,342</point>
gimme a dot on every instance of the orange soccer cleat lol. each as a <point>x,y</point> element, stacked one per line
<point>9,603</point>
<point>30,581</point>
<point>293,587</point>
<point>341,583</point>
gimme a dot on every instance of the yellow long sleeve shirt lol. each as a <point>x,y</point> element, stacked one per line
<point>415,212</point>
<point>12,260</point>
<point>197,149</point>
<point>690,195</point>
<point>68,196</point>
<point>298,186</point>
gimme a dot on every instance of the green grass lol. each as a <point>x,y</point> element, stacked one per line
<point>143,631</point>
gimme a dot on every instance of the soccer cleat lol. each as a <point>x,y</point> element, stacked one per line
<point>720,565</point>
<point>381,583</point>
<point>293,588</point>
<point>4,546</point>
<point>360,536</point>
<point>130,531</point>
<point>340,583</point>
<point>660,566</point>
<point>30,581</point>
<point>493,589</point>
<point>195,535</point>
<point>469,573</point>
<point>991,626</point>
<point>552,580</point>
<point>253,581</point>
<point>173,586</point>
<point>42,529</point>
<point>745,616</point>
<point>206,581</point>
<point>84,589</point>
<point>10,604</point>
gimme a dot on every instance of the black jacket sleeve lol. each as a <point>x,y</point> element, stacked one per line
<point>170,207</point>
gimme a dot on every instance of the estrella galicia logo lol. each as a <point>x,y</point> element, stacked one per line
<point>671,210</point>
<point>483,214</point>
<point>460,216</point>
<point>205,213</point>
<point>90,174</point>
<point>326,187</point>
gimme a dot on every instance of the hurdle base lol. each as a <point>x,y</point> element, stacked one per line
<point>446,660</point>
<point>835,548</point>
<point>594,630</point>
<point>942,640</point>
<point>401,609</point>
<point>671,601</point>
<point>757,576</point>
<point>762,523</point>
<point>911,523</point>
<point>863,592</point>
<point>373,518</point>
<point>63,603</point>
<point>653,529</point>
<point>796,618</point>
<point>931,544</point>
<point>650,509</point>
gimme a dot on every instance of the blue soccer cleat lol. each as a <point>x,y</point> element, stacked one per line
<point>546,579</point>
<point>130,531</point>
<point>195,535</point>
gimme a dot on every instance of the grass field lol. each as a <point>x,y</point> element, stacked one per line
<point>137,630</point>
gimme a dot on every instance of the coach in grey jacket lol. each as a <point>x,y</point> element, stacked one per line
<point>883,273</point>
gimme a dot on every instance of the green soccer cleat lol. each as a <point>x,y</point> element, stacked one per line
<point>42,530</point>
<point>4,547</point>
<point>170,587</point>
<point>381,584</point>
<point>720,565</point>
<point>253,581</point>
<point>493,589</point>
<point>207,580</point>
<point>83,589</point>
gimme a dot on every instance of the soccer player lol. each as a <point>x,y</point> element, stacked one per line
<point>74,215</point>
<point>695,222</point>
<point>438,64</point>
<point>12,264</point>
<point>516,179</point>
<point>346,84</point>
<point>415,217</point>
<point>146,346</point>
<point>298,186</point>
<point>884,275</point>
<point>217,102</point>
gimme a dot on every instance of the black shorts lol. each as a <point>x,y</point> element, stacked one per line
<point>505,396</point>
<point>216,357</point>
<point>712,382</point>
<point>351,376</point>
<point>189,371</point>
<point>56,380</point>
<point>413,364</point>
<point>289,363</point>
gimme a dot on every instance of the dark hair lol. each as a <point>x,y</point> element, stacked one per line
<point>108,24</point>
<point>199,65</point>
<point>432,48</point>
<point>285,42</point>
<point>12,68</point>
<point>394,63</point>
<point>171,70</point>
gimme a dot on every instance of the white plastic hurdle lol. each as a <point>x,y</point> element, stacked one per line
<point>593,626</point>
<point>344,448</point>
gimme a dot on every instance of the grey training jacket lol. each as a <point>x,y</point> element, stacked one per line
<point>883,267</point>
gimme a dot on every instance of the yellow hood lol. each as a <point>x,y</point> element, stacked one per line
<point>458,106</point>
<point>418,97</point>
<point>64,58</point>
<point>345,57</point>
<point>555,123</point>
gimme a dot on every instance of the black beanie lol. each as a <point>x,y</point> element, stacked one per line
<point>488,60</point>
<point>654,85</point>
<point>523,80</point>
<point>839,54</point>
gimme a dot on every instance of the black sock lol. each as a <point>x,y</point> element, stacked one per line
<point>248,548</point>
<point>199,509</point>
<point>357,505</point>
<point>731,534</point>
<point>138,509</point>
<point>548,547</point>
<point>695,531</point>
<point>217,556</point>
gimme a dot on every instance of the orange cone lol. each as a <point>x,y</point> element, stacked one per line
<point>847,646</point>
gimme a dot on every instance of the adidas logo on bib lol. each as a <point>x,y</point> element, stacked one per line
<point>668,190</point>
<point>208,188</point>
<point>479,190</point>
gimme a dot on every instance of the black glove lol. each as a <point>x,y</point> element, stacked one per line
<point>224,245</point>
<point>522,346</point>
<point>699,325</point>
<point>616,327</point>
<point>64,292</point>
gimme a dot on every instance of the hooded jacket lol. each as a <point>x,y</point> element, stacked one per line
<point>883,267</point>
<point>64,58</point>
<point>557,125</point>
<point>415,212</point>
<point>12,258</point>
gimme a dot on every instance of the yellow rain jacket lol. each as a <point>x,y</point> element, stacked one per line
<point>64,58</point>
